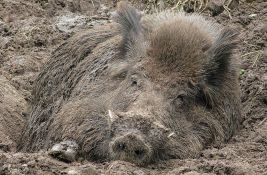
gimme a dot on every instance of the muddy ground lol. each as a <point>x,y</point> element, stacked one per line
<point>31,29</point>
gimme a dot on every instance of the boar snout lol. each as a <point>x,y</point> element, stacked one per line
<point>130,147</point>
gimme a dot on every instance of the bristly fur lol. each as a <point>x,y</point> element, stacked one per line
<point>129,20</point>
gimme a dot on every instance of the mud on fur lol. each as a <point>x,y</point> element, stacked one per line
<point>143,89</point>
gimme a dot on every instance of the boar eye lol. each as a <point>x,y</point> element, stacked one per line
<point>180,98</point>
<point>122,75</point>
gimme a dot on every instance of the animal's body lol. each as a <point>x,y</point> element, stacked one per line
<point>142,89</point>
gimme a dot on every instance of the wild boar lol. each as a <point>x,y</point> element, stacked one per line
<point>143,89</point>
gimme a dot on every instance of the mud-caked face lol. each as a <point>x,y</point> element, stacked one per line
<point>142,111</point>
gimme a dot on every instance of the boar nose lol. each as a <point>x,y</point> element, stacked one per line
<point>130,145</point>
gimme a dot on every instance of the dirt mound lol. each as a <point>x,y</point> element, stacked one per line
<point>31,29</point>
<point>12,106</point>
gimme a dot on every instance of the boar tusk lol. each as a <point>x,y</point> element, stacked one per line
<point>160,126</point>
<point>171,134</point>
<point>112,116</point>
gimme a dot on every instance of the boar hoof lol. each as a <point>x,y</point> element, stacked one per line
<point>65,151</point>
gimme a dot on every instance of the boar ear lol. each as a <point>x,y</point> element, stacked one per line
<point>128,19</point>
<point>217,70</point>
<point>220,54</point>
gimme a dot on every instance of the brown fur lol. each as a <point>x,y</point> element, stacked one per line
<point>145,89</point>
